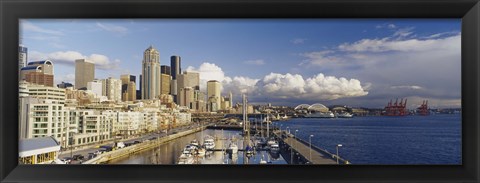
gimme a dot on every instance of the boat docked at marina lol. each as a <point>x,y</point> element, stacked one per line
<point>209,143</point>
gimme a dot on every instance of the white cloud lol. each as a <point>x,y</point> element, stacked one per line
<point>404,32</point>
<point>119,30</point>
<point>318,87</point>
<point>407,45</point>
<point>282,86</point>
<point>412,87</point>
<point>255,62</point>
<point>29,27</point>
<point>389,26</point>
<point>69,57</point>
<point>298,41</point>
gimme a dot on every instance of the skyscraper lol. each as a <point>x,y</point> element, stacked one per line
<point>84,73</point>
<point>175,64</point>
<point>213,95</point>
<point>188,79</point>
<point>112,88</point>
<point>151,80</point>
<point>22,56</point>
<point>166,79</point>
<point>126,91</point>
<point>165,69</point>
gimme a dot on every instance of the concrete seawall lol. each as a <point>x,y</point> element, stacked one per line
<point>139,147</point>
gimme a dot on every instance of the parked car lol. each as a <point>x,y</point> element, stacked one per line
<point>67,160</point>
<point>136,142</point>
<point>78,157</point>
<point>119,145</point>
<point>91,155</point>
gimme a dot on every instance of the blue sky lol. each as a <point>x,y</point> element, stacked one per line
<point>357,62</point>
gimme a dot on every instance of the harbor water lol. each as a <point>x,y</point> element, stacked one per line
<point>412,140</point>
<point>169,153</point>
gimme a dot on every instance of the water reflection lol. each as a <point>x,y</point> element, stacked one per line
<point>168,153</point>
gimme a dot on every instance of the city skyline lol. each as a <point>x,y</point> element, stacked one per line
<point>351,62</point>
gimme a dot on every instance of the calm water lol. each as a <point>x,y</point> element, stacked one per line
<point>434,139</point>
<point>169,153</point>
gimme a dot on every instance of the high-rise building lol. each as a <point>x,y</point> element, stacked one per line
<point>112,88</point>
<point>139,91</point>
<point>38,72</point>
<point>165,69</point>
<point>175,64</point>
<point>131,91</point>
<point>188,82</point>
<point>96,87</point>
<point>84,73</point>
<point>126,93</point>
<point>22,56</point>
<point>213,95</point>
<point>186,97</point>
<point>151,84</point>
<point>175,70</point>
<point>166,83</point>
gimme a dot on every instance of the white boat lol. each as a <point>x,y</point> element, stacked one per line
<point>185,159</point>
<point>344,115</point>
<point>271,142</point>
<point>194,142</point>
<point>209,143</point>
<point>274,147</point>
<point>232,148</point>
<point>328,114</point>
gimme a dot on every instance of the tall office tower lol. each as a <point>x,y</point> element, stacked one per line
<point>38,72</point>
<point>126,79</point>
<point>139,91</point>
<point>84,73</point>
<point>213,95</point>
<point>186,97</point>
<point>112,88</point>
<point>231,99</point>
<point>22,56</point>
<point>166,84</point>
<point>151,84</point>
<point>175,64</point>
<point>165,69</point>
<point>131,91</point>
<point>188,79</point>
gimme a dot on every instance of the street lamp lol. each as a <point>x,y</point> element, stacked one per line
<point>296,138</point>
<point>339,145</point>
<point>310,139</point>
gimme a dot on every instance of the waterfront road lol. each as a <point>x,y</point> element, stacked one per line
<point>93,148</point>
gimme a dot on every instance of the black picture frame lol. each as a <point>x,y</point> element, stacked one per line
<point>12,11</point>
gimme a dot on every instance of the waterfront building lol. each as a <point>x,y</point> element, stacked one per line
<point>166,83</point>
<point>93,129</point>
<point>22,56</point>
<point>112,88</point>
<point>84,73</point>
<point>43,118</point>
<point>42,150</point>
<point>151,86</point>
<point>64,85</point>
<point>213,94</point>
<point>56,95</point>
<point>126,93</point>
<point>38,72</point>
